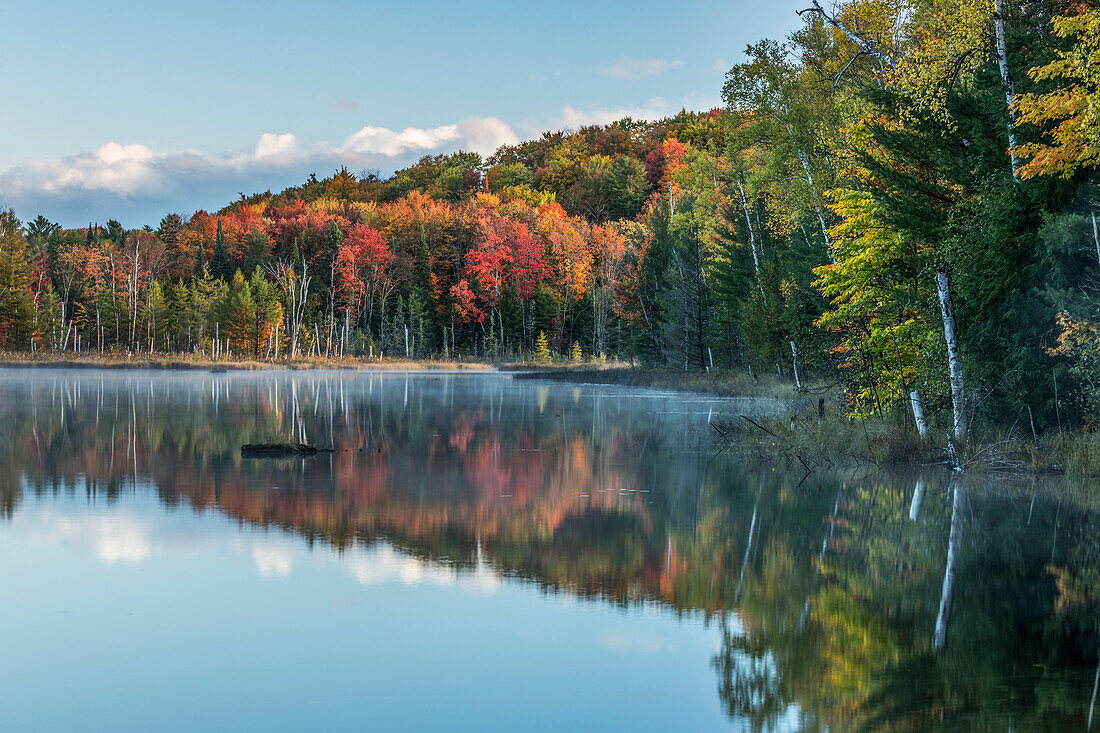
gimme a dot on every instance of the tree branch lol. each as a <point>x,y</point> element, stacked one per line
<point>869,47</point>
<point>836,79</point>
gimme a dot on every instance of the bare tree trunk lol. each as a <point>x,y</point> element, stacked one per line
<point>134,299</point>
<point>794,361</point>
<point>1092,703</point>
<point>332,304</point>
<point>1096,236</point>
<point>918,497</point>
<point>954,359</point>
<point>805,160</point>
<point>748,545</point>
<point>954,540</point>
<point>1006,80</point>
<point>918,413</point>
<point>752,241</point>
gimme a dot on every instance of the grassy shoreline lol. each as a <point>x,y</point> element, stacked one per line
<point>720,384</point>
<point>840,441</point>
<point>204,363</point>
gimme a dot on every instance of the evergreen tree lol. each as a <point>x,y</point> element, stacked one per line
<point>542,349</point>
<point>627,186</point>
<point>240,315</point>
<point>47,318</point>
<point>169,229</point>
<point>181,319</point>
<point>154,314</point>
<point>257,247</point>
<point>220,266</point>
<point>17,316</point>
<point>267,311</point>
<point>201,264</point>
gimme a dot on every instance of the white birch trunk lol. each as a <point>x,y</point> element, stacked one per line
<point>918,497</point>
<point>1096,236</point>
<point>954,359</point>
<point>794,362</point>
<point>954,540</point>
<point>805,160</point>
<point>752,240</point>
<point>918,413</point>
<point>1006,80</point>
<point>748,551</point>
<point>1092,703</point>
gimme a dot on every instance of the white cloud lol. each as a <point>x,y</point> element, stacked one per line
<point>122,543</point>
<point>113,537</point>
<point>571,117</point>
<point>119,168</point>
<point>480,134</point>
<point>634,69</point>
<point>271,560</point>
<point>137,185</point>
<point>382,564</point>
<point>134,532</point>
<point>271,146</point>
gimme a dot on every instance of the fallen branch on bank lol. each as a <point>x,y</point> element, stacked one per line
<point>281,450</point>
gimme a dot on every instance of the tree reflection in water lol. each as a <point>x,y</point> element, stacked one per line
<point>830,596</point>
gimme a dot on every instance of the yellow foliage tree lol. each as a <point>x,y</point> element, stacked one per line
<point>1073,108</point>
<point>542,349</point>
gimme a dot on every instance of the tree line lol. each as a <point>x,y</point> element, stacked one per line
<point>900,196</point>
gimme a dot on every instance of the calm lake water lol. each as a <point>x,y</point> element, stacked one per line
<point>493,554</point>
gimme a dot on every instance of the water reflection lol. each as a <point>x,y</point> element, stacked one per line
<point>835,602</point>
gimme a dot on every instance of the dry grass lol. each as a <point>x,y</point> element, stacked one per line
<point>110,360</point>
<point>1076,453</point>
<point>722,384</point>
<point>842,441</point>
<point>835,441</point>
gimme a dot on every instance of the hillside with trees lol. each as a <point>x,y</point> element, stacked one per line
<point>899,197</point>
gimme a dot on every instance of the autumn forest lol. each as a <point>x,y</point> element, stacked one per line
<point>899,198</point>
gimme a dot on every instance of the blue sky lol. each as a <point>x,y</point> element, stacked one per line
<point>130,110</point>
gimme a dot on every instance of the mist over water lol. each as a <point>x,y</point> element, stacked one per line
<point>498,554</point>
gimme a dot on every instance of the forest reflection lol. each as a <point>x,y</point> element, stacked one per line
<point>871,601</point>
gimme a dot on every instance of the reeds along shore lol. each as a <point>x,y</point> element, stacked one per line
<point>831,438</point>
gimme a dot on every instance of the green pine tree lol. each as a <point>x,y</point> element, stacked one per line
<point>219,262</point>
<point>16,302</point>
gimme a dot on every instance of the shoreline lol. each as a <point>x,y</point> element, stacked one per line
<point>721,384</point>
<point>813,429</point>
<point>169,362</point>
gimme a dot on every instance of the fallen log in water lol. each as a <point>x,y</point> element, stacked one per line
<point>280,450</point>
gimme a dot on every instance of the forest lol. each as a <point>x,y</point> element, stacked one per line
<point>900,198</point>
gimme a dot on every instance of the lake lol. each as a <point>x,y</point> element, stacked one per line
<point>484,553</point>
